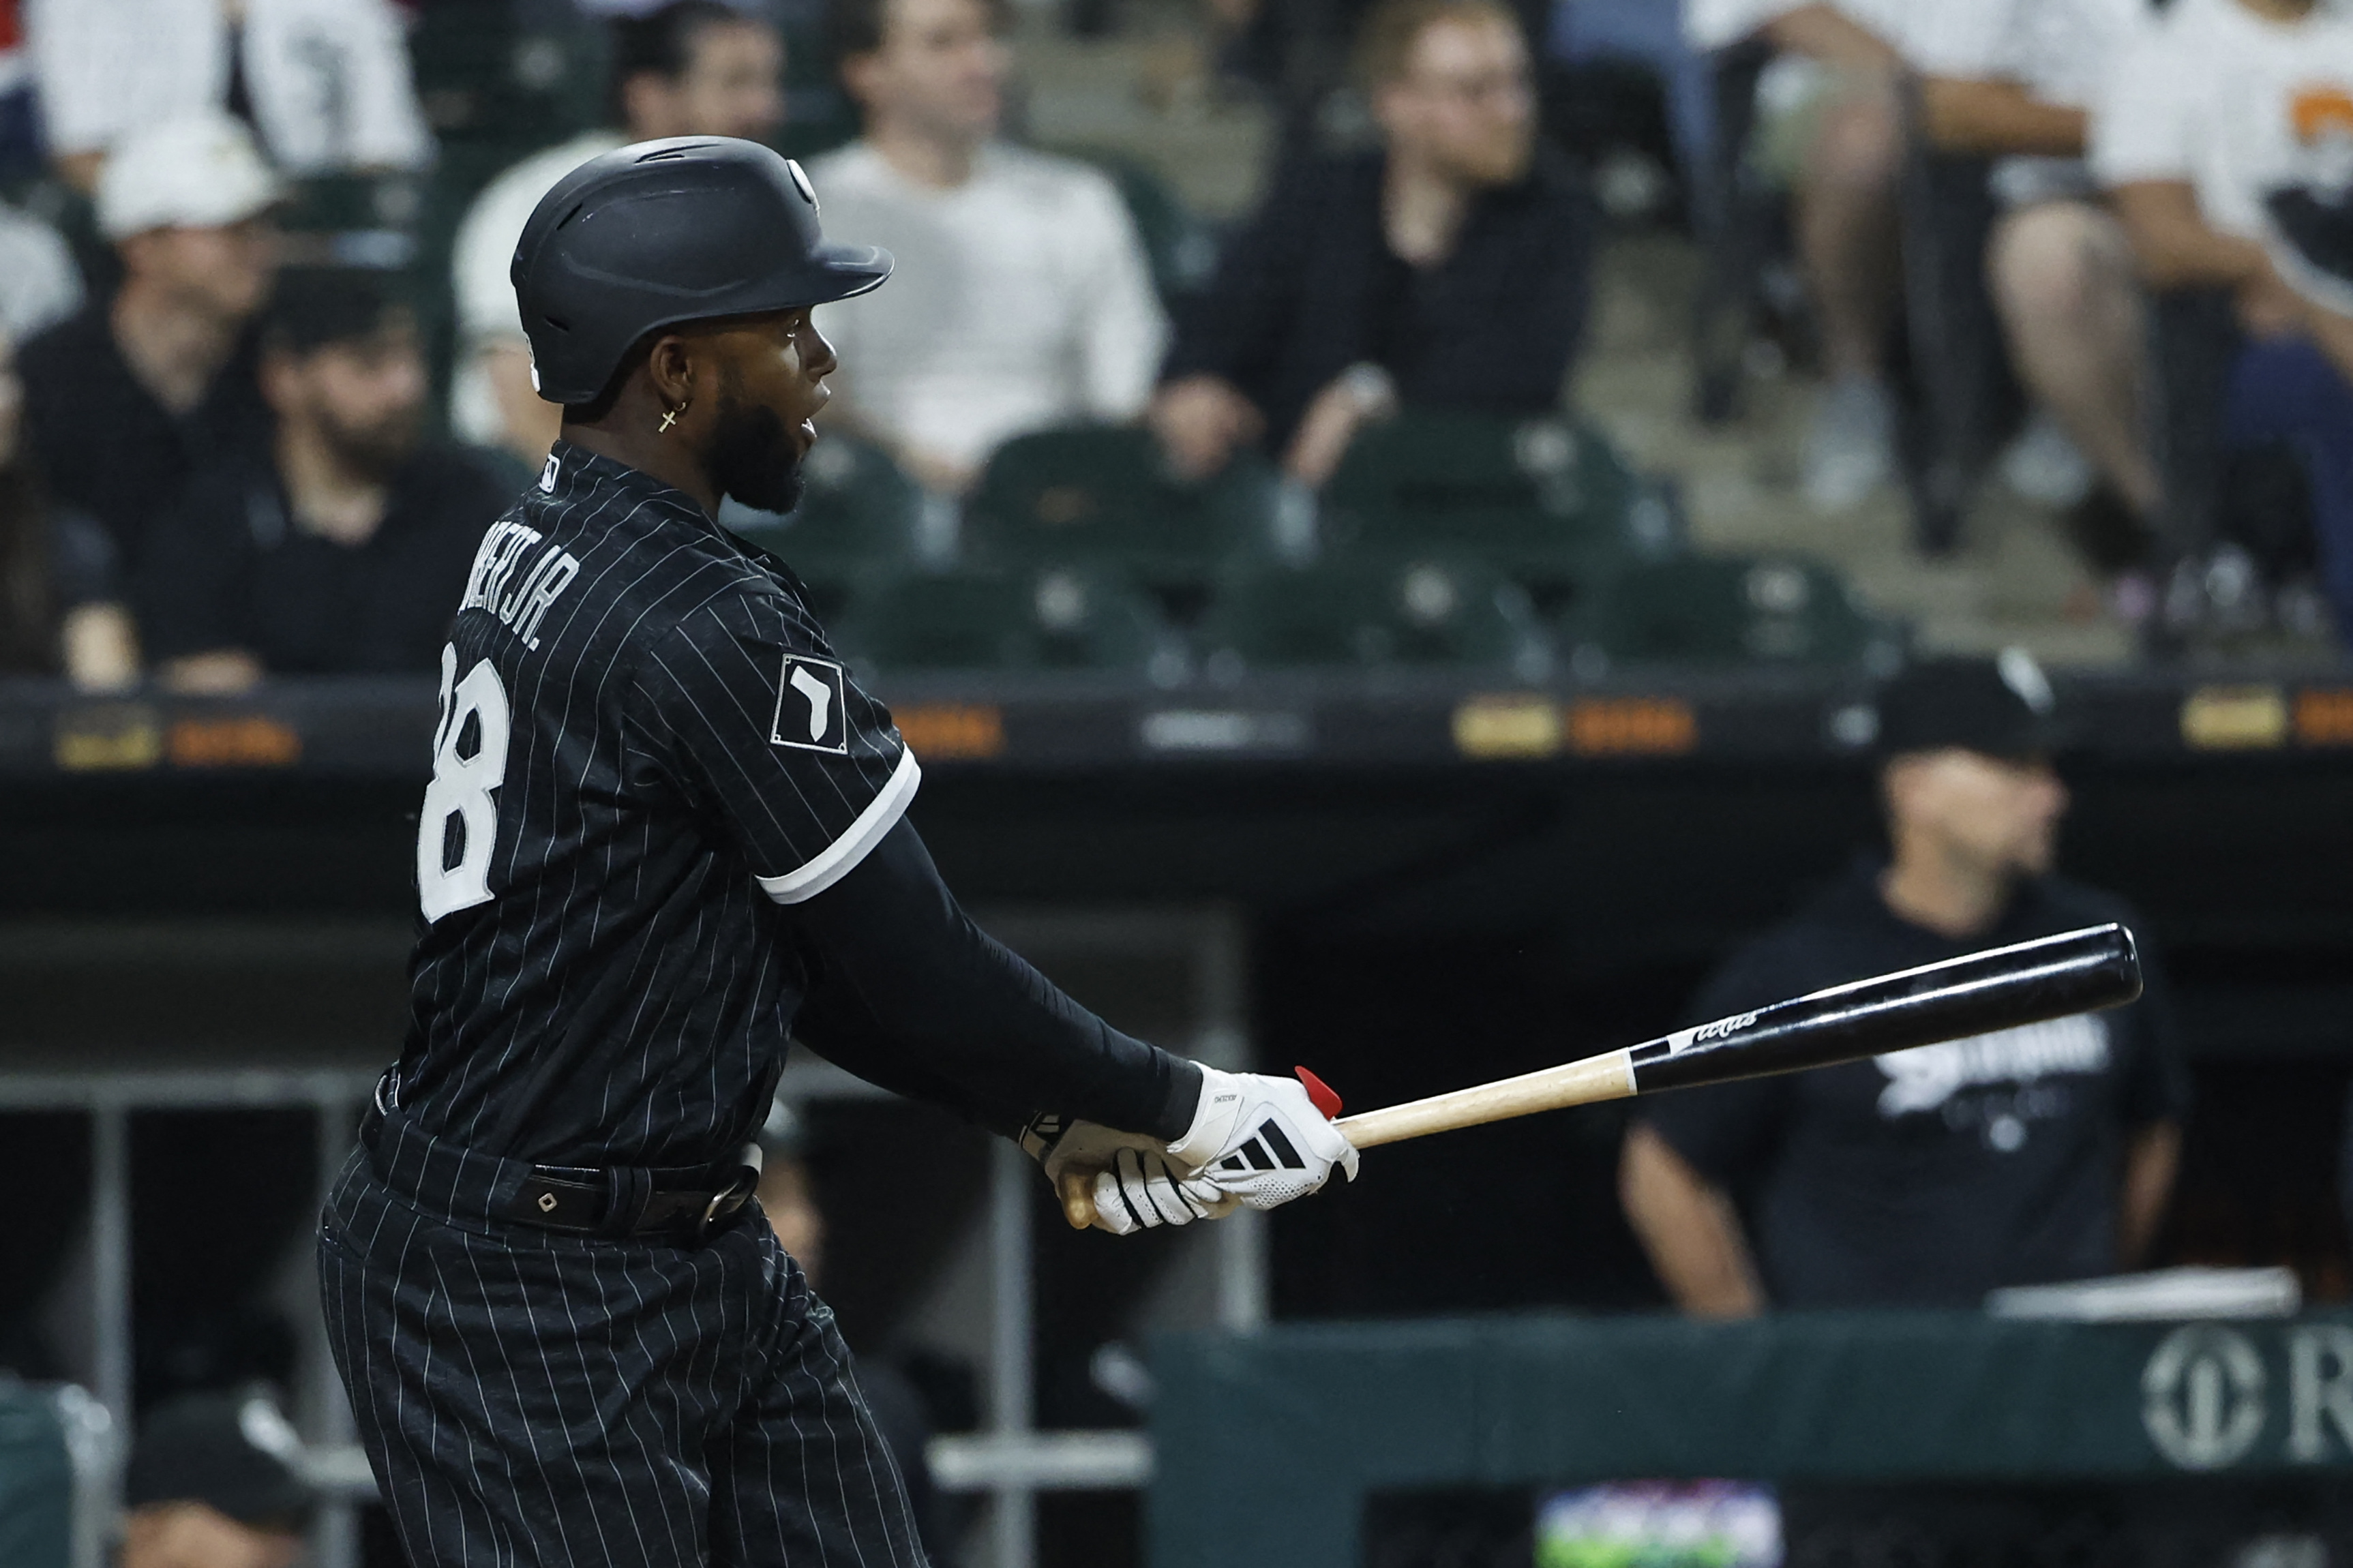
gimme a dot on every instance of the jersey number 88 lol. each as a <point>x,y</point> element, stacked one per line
<point>458,826</point>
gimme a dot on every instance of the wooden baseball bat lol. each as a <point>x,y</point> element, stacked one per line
<point>1976,994</point>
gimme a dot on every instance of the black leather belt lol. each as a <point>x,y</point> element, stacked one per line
<point>685,1202</point>
<point>620,1200</point>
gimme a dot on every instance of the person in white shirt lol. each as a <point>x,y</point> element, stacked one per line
<point>1022,299</point>
<point>1832,128</point>
<point>39,284</point>
<point>692,68</point>
<point>2019,80</point>
<point>326,81</point>
<point>2225,138</point>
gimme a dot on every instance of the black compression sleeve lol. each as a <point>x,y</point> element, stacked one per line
<point>912,995</point>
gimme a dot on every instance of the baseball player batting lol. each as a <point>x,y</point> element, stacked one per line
<point>665,828</point>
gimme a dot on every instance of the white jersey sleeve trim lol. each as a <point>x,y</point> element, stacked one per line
<point>841,856</point>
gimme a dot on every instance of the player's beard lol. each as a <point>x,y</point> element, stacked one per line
<point>753,456</point>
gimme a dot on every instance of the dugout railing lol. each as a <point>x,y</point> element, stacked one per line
<point>1219,1276</point>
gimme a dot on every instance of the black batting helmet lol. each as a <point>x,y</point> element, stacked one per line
<point>684,229</point>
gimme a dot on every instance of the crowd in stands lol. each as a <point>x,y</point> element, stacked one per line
<point>225,454</point>
<point>2140,156</point>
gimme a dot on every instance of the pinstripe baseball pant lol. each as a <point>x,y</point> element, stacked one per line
<point>528,1398</point>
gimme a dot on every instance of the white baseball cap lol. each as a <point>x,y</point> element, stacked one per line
<point>197,171</point>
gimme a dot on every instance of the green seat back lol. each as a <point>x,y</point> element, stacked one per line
<point>524,76</point>
<point>1102,493</point>
<point>1057,617</point>
<point>818,114</point>
<point>1736,609</point>
<point>37,1481</point>
<point>1180,248</point>
<point>1532,496</point>
<point>858,513</point>
<point>1424,613</point>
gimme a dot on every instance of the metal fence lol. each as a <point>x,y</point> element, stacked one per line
<point>1010,1460</point>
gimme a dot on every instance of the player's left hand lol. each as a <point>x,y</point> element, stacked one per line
<point>1119,1181</point>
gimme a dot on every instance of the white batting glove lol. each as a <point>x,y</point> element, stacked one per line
<point>1137,1184</point>
<point>1262,1140</point>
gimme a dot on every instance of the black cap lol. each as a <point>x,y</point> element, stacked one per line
<point>314,307</point>
<point>657,234</point>
<point>1999,707</point>
<point>234,1453</point>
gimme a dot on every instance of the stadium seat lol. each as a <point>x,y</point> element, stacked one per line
<point>1102,493</point>
<point>523,74</point>
<point>818,115</point>
<point>858,513</point>
<point>1546,501</point>
<point>1429,612</point>
<point>1965,401</point>
<point>1181,249</point>
<point>1053,617</point>
<point>1726,609</point>
<point>2194,339</point>
<point>1736,213</point>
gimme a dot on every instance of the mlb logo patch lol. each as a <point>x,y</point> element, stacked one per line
<point>808,706</point>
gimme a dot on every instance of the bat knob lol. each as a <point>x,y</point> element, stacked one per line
<point>1077,1195</point>
<point>1321,1094</point>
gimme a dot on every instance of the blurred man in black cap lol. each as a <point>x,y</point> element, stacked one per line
<point>339,549</point>
<point>212,1484</point>
<point>1931,1176</point>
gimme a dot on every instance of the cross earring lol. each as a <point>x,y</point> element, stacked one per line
<point>670,418</point>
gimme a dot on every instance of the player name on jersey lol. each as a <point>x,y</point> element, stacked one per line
<point>518,608</point>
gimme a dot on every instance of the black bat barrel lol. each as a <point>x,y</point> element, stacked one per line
<point>1976,993</point>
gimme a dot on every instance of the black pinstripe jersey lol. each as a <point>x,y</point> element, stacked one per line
<point>646,749</point>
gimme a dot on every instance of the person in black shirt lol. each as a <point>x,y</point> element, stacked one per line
<point>1447,270</point>
<point>665,832</point>
<point>127,401</point>
<point>341,550</point>
<point>1931,1176</point>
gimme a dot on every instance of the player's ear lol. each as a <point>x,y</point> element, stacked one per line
<point>669,367</point>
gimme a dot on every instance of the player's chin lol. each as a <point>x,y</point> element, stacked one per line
<point>756,460</point>
<point>777,489</point>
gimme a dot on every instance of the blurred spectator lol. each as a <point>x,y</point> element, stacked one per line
<point>1829,125</point>
<point>1924,1177</point>
<point>1029,301</point>
<point>789,1198</point>
<point>125,400</point>
<point>344,549</point>
<point>694,67</point>
<point>1449,269</point>
<point>213,1483</point>
<point>27,612</point>
<point>2227,140</point>
<point>39,285</point>
<point>2016,79</point>
<point>325,83</point>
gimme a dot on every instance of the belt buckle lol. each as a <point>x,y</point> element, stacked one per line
<point>723,1202</point>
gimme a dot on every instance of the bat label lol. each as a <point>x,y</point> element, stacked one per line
<point>1977,994</point>
<point>1721,1029</point>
